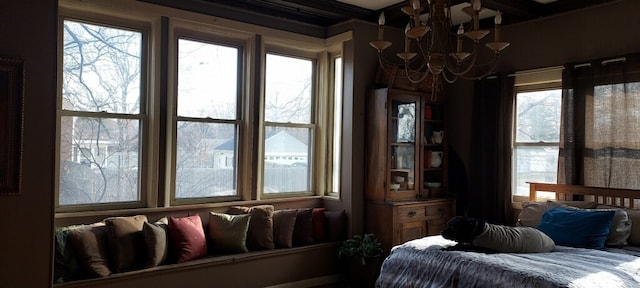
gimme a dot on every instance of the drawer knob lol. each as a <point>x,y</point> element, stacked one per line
<point>412,213</point>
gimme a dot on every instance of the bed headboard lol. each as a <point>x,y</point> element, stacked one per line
<point>623,198</point>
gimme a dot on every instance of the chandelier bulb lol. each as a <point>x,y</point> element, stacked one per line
<point>460,29</point>
<point>476,5</point>
<point>415,4</point>
<point>498,19</point>
<point>381,19</point>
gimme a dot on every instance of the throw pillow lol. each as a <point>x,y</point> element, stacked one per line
<point>317,222</point>
<point>186,238</point>
<point>532,211</point>
<point>634,217</point>
<point>620,229</point>
<point>283,223</point>
<point>260,234</point>
<point>228,233</point>
<point>335,222</point>
<point>125,242</point>
<point>156,242</point>
<point>303,229</point>
<point>577,228</point>
<point>91,246</point>
<point>66,266</point>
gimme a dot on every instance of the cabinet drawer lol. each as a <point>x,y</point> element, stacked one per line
<point>411,213</point>
<point>439,212</point>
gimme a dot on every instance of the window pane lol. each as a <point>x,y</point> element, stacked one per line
<point>99,160</point>
<point>337,123</point>
<point>286,159</point>
<point>101,68</point>
<point>206,160</point>
<point>538,116</point>
<point>534,164</point>
<point>207,80</point>
<point>288,87</point>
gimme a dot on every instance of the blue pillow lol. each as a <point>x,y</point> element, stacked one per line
<point>577,228</point>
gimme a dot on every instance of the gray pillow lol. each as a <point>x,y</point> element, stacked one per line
<point>156,242</point>
<point>228,233</point>
<point>508,239</point>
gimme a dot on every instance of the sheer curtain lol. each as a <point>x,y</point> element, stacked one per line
<point>600,134</point>
<point>489,194</point>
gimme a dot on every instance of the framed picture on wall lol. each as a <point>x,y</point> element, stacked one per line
<point>11,124</point>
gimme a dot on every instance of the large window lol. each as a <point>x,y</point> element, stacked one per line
<point>289,124</point>
<point>536,138</point>
<point>102,114</point>
<point>161,113</point>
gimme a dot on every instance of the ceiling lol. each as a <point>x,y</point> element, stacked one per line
<point>325,13</point>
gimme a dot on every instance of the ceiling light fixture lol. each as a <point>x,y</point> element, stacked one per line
<point>440,50</point>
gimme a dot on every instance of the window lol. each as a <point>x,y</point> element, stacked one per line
<point>289,123</point>
<point>536,138</point>
<point>336,150</point>
<point>102,114</point>
<point>207,119</point>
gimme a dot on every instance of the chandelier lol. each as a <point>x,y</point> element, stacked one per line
<point>440,50</point>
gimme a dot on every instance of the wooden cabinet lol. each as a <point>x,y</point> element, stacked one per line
<point>406,166</point>
<point>398,222</point>
<point>406,146</point>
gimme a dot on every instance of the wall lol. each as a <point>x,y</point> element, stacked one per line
<point>598,32</point>
<point>28,31</point>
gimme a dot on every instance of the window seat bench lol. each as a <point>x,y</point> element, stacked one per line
<point>315,264</point>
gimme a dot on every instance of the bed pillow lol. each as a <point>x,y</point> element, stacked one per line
<point>228,233</point>
<point>260,233</point>
<point>620,229</point>
<point>283,223</point>
<point>577,228</point>
<point>532,211</point>
<point>126,244</point>
<point>156,242</point>
<point>91,245</point>
<point>634,217</point>
<point>186,238</point>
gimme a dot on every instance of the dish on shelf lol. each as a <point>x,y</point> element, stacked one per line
<point>394,186</point>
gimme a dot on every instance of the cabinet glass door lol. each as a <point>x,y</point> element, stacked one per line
<point>403,146</point>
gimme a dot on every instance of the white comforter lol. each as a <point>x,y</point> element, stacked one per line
<point>425,263</point>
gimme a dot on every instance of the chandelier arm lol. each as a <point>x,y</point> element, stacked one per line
<point>489,71</point>
<point>446,78</point>
<point>424,75</point>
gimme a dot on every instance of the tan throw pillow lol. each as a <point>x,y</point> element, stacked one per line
<point>125,242</point>
<point>634,217</point>
<point>283,223</point>
<point>620,226</point>
<point>228,233</point>
<point>156,242</point>
<point>260,234</point>
<point>532,211</point>
<point>91,246</point>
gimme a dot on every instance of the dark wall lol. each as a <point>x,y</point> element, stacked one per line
<point>598,32</point>
<point>28,31</point>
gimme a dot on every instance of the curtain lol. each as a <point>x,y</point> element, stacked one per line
<point>600,133</point>
<point>489,193</point>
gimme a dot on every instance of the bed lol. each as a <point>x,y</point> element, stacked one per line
<point>431,261</point>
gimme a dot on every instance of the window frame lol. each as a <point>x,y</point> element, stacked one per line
<point>525,88</point>
<point>312,160</point>
<point>143,115</point>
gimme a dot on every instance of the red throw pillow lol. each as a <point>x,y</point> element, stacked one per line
<point>317,222</point>
<point>186,237</point>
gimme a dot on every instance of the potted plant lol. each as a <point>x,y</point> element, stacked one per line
<point>362,256</point>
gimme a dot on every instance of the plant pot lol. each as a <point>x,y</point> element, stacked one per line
<point>363,271</point>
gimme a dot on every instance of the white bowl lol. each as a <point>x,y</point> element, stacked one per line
<point>434,184</point>
<point>394,186</point>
